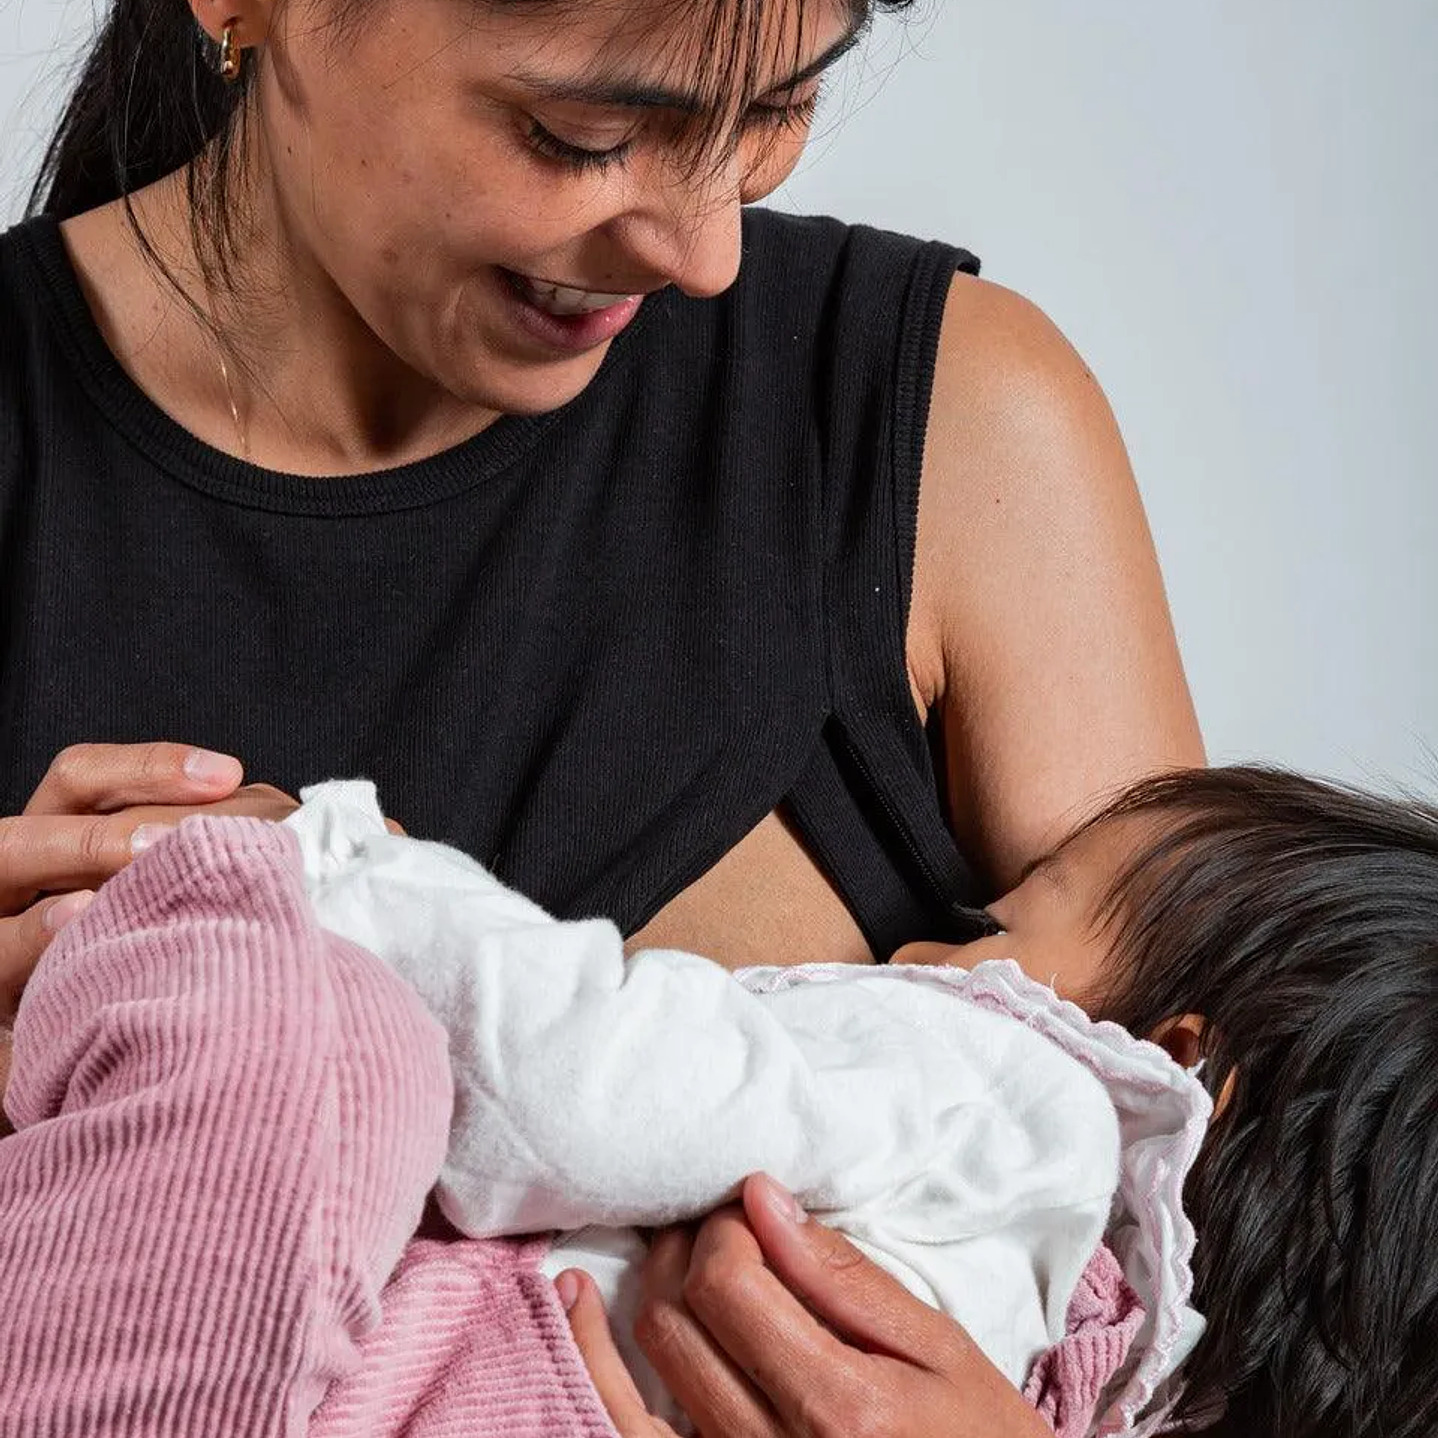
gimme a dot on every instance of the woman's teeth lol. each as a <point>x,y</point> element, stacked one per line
<point>561,300</point>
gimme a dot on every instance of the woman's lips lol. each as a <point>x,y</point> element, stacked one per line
<point>566,300</point>
<point>566,318</point>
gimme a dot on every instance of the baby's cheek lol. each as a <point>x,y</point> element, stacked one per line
<point>1073,968</point>
<point>962,956</point>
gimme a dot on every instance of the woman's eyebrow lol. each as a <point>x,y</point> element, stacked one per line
<point>624,94</point>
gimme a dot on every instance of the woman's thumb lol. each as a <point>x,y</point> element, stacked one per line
<point>838,1283</point>
<point>589,1324</point>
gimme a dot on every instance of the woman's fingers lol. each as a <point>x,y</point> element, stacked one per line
<point>708,1383</point>
<point>102,778</point>
<point>23,940</point>
<point>55,852</point>
<point>60,852</point>
<point>258,801</point>
<point>912,1370</point>
<point>589,1324</point>
<point>770,1326</point>
<point>800,1373</point>
<point>66,838</point>
<point>854,1296</point>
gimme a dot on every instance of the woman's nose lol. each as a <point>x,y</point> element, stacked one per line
<point>689,234</point>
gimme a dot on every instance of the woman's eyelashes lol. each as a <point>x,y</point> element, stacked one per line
<point>574,157</point>
<point>581,160</point>
<point>798,115</point>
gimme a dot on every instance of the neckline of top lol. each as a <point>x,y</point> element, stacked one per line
<point>167,443</point>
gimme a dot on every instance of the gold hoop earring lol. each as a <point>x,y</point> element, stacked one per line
<point>231,55</point>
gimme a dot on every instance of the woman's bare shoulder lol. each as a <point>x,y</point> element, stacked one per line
<point>1039,627</point>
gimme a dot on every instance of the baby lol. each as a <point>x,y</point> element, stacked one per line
<point>1009,1156</point>
<point>974,1133</point>
<point>1284,933</point>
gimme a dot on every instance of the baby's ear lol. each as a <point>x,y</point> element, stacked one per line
<point>1182,1038</point>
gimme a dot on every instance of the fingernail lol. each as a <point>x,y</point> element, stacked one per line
<point>567,1286</point>
<point>205,767</point>
<point>148,835</point>
<point>784,1204</point>
<point>63,910</point>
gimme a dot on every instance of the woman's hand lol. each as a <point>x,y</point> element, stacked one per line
<point>6,1043</point>
<point>590,1326</point>
<point>96,807</point>
<point>767,1326</point>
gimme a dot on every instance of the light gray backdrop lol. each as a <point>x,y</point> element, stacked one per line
<point>1231,207</point>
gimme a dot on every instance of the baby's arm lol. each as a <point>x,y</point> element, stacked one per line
<point>591,1088</point>
<point>588,1088</point>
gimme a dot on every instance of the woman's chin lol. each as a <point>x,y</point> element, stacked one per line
<point>510,387</point>
<point>534,391</point>
<point>489,358</point>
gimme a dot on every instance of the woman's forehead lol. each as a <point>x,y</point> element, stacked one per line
<point>708,56</point>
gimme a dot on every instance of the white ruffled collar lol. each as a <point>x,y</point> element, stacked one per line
<point>1163,1114</point>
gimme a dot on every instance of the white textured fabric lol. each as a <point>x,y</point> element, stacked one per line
<point>957,1142</point>
<point>1163,1115</point>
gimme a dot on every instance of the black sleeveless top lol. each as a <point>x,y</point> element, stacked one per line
<point>592,648</point>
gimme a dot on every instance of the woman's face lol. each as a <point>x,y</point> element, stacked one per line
<point>439,167</point>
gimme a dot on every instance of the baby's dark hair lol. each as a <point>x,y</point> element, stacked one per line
<point>1301,920</point>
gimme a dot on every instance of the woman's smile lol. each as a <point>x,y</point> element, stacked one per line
<point>565,318</point>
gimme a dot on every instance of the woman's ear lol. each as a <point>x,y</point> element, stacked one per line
<point>251,19</point>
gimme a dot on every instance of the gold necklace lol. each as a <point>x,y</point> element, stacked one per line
<point>234,408</point>
<point>211,310</point>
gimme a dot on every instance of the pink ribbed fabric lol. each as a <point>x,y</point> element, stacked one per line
<point>474,1344</point>
<point>1104,1317</point>
<point>227,1122</point>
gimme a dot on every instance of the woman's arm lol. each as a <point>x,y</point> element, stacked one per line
<point>1039,629</point>
<point>1040,635</point>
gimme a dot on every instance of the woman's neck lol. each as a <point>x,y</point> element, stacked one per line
<point>275,365</point>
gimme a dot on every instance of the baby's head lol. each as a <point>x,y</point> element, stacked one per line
<point>1286,933</point>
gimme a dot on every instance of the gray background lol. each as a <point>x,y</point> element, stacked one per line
<point>1231,207</point>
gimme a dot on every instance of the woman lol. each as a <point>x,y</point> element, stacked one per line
<point>413,416</point>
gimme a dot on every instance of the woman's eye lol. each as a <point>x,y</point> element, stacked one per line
<point>582,159</point>
<point>797,116</point>
<point>574,157</point>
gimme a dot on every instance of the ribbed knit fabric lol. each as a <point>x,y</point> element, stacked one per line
<point>227,1123</point>
<point>591,648</point>
<point>1104,1317</point>
<point>474,1344</point>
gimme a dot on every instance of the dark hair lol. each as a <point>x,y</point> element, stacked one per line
<point>149,101</point>
<point>1301,920</point>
